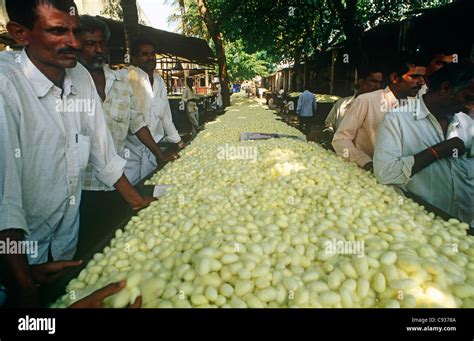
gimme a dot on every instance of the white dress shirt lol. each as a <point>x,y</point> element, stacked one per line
<point>447,183</point>
<point>153,104</point>
<point>47,137</point>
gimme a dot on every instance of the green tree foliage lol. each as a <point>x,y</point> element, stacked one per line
<point>243,65</point>
<point>189,21</point>
<point>298,29</point>
<point>113,10</point>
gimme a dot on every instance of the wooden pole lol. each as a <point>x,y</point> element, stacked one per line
<point>333,60</point>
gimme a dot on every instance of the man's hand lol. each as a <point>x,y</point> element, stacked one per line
<point>47,273</point>
<point>130,194</point>
<point>16,274</point>
<point>454,147</point>
<point>369,166</point>
<point>145,202</point>
<point>95,300</point>
<point>168,157</point>
<point>181,144</point>
<point>450,148</point>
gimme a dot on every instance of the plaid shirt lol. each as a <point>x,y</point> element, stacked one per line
<point>122,117</point>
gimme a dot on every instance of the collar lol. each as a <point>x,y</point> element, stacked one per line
<point>142,73</point>
<point>422,111</point>
<point>39,82</point>
<point>111,76</point>
<point>392,101</point>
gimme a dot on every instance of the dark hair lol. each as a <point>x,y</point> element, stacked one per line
<point>457,74</point>
<point>136,43</point>
<point>91,24</point>
<point>365,72</point>
<point>430,52</point>
<point>24,12</point>
<point>402,64</point>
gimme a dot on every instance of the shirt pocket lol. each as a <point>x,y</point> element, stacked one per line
<point>83,146</point>
<point>119,110</point>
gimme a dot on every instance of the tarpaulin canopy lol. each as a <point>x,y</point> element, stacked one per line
<point>168,44</point>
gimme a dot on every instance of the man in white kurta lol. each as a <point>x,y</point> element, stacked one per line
<point>51,126</point>
<point>153,103</point>
<point>413,135</point>
<point>48,136</point>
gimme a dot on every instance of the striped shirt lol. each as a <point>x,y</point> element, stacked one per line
<point>47,137</point>
<point>447,183</point>
<point>355,137</point>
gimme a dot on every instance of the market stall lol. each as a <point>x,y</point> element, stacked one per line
<point>279,223</point>
<point>206,105</point>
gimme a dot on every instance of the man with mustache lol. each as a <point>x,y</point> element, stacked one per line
<point>355,138</point>
<point>428,151</point>
<point>121,114</point>
<point>45,146</point>
<point>150,93</point>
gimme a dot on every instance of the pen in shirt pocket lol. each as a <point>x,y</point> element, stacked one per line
<point>77,138</point>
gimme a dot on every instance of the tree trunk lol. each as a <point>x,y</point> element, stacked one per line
<point>130,22</point>
<point>353,33</point>
<point>182,8</point>
<point>216,35</point>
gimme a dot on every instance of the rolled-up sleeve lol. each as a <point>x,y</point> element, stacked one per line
<point>343,141</point>
<point>12,215</point>
<point>137,120</point>
<point>103,156</point>
<point>390,167</point>
<point>171,134</point>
